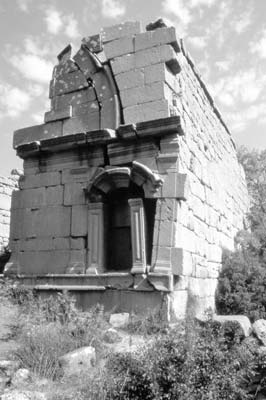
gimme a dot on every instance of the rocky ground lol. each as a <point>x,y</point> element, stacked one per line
<point>18,383</point>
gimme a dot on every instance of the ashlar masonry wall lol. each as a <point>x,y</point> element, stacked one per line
<point>7,185</point>
<point>215,209</point>
<point>129,113</point>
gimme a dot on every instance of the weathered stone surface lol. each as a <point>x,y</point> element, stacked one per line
<point>241,320</point>
<point>147,111</point>
<point>155,38</point>
<point>36,133</point>
<point>39,180</point>
<point>70,82</point>
<point>161,281</point>
<point>144,94</point>
<point>119,47</point>
<point>172,127</point>
<point>179,303</point>
<point>125,29</point>
<point>43,262</point>
<point>83,123</point>
<point>181,261</point>
<point>112,336</point>
<point>120,154</point>
<point>119,320</point>
<point>77,243</point>
<point>143,58</point>
<point>130,79</point>
<point>93,43</point>
<point>259,328</point>
<point>78,361</point>
<point>8,367</point>
<point>57,115</point>
<point>73,99</point>
<point>79,220</point>
<point>74,193</point>
<point>43,222</point>
<point>21,377</point>
<point>23,395</point>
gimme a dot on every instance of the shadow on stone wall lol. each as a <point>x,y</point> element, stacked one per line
<point>4,258</point>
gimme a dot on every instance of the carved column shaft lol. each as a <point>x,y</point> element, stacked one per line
<point>138,236</point>
<point>96,250</point>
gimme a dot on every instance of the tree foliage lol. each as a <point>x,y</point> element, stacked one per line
<point>242,282</point>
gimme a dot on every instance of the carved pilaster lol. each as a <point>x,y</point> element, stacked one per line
<point>137,236</point>
<point>96,251</point>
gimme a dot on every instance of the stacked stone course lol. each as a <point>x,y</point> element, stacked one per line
<point>7,185</point>
<point>131,103</point>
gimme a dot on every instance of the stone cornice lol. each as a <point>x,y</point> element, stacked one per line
<point>143,130</point>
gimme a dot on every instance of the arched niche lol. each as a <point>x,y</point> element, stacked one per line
<point>112,178</point>
<point>121,212</point>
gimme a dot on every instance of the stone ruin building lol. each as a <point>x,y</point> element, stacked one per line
<point>131,187</point>
<point>7,185</point>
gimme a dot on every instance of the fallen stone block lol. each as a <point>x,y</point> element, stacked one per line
<point>78,361</point>
<point>8,367</point>
<point>21,377</point>
<point>111,336</point>
<point>119,320</point>
<point>23,395</point>
<point>259,328</point>
<point>241,320</point>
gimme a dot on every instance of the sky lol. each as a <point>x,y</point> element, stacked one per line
<point>226,39</point>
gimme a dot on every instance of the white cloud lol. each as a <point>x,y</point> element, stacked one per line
<point>198,3</point>
<point>259,47</point>
<point>36,89</point>
<point>57,22</point>
<point>179,8</point>
<point>243,21</point>
<point>71,28</point>
<point>245,87</point>
<point>37,118</point>
<point>199,42</point>
<point>24,5</point>
<point>226,98</point>
<point>13,101</point>
<point>35,46</point>
<point>113,8</point>
<point>53,21</point>
<point>223,65</point>
<point>33,67</point>
<point>238,120</point>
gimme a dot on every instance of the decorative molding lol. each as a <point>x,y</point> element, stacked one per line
<point>137,236</point>
<point>120,177</point>
<point>96,250</point>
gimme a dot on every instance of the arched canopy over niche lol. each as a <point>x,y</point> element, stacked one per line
<point>121,219</point>
<point>123,177</point>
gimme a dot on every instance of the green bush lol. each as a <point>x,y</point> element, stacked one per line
<point>196,363</point>
<point>241,286</point>
<point>53,326</point>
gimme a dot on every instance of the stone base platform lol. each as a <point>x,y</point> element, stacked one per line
<point>116,292</point>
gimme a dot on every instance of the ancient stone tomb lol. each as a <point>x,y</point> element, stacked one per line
<point>131,187</point>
